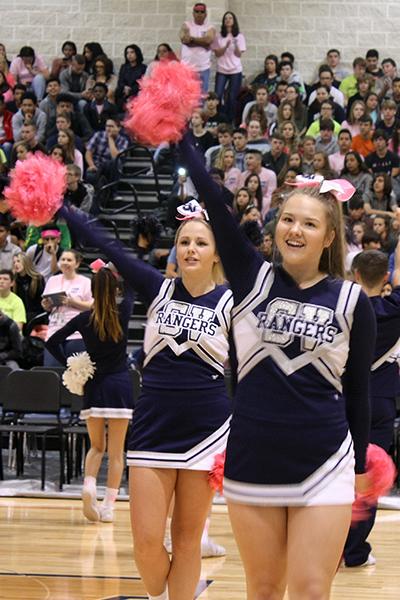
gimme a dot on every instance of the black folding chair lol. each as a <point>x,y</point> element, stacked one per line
<point>4,372</point>
<point>38,393</point>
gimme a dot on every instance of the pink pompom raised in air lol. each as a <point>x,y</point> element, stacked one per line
<point>166,101</point>
<point>216,475</point>
<point>36,189</point>
<point>381,473</point>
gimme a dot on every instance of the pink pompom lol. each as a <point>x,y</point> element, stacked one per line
<point>36,189</point>
<point>216,475</point>
<point>381,473</point>
<point>166,101</point>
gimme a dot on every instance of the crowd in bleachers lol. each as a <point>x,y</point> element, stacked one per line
<point>256,134</point>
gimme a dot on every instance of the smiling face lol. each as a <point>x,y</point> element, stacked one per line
<point>18,265</point>
<point>68,263</point>
<point>302,231</point>
<point>195,250</point>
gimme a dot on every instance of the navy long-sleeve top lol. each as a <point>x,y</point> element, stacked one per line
<point>304,355</point>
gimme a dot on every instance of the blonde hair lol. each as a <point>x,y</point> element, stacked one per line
<point>217,274</point>
<point>219,161</point>
<point>332,258</point>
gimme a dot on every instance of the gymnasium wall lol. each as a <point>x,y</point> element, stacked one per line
<point>306,28</point>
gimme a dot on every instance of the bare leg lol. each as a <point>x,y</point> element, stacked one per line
<point>193,497</point>
<point>96,430</point>
<point>150,492</point>
<point>316,538</point>
<point>115,450</point>
<point>260,534</point>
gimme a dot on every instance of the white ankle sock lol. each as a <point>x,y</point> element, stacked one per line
<point>110,496</point>
<point>163,596</point>
<point>90,483</point>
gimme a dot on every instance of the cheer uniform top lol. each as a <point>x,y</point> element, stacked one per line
<point>385,367</point>
<point>109,394</point>
<point>304,357</point>
<point>182,415</point>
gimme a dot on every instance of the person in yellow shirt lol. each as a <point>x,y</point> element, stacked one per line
<point>10,304</point>
<point>348,87</point>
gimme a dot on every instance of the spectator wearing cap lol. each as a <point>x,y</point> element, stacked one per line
<point>196,37</point>
<point>10,304</point>
<point>46,252</point>
<point>10,342</point>
<point>382,160</point>
<point>79,123</point>
<point>73,81</point>
<point>7,249</point>
<point>267,177</point>
<point>348,87</point>
<point>29,113</point>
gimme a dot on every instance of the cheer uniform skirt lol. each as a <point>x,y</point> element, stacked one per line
<point>179,429</point>
<point>288,465</point>
<point>108,396</point>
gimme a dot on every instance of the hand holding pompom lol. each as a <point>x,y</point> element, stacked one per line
<point>166,101</point>
<point>381,473</point>
<point>216,475</point>
<point>36,190</point>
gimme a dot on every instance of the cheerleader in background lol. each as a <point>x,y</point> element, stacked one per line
<point>108,398</point>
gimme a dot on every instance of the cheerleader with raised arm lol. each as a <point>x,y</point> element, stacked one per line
<point>182,416</point>
<point>304,340</point>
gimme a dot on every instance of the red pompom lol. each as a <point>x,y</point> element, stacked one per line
<point>381,473</point>
<point>216,475</point>
<point>166,101</point>
<point>36,189</point>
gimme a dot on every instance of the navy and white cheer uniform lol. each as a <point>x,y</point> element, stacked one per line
<point>303,372</point>
<point>384,389</point>
<point>181,418</point>
<point>109,394</point>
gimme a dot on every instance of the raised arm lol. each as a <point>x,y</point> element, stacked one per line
<point>240,259</point>
<point>144,278</point>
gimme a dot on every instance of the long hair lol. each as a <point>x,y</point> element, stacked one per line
<point>217,274</point>
<point>332,258</point>
<point>236,209</point>
<point>235,27</point>
<point>281,118</point>
<point>256,113</point>
<point>351,118</point>
<point>70,147</point>
<point>105,316</point>
<point>29,269</point>
<point>361,165</point>
<point>138,52</point>
<point>107,64</point>
<point>258,196</point>
<point>4,86</point>
<point>219,161</point>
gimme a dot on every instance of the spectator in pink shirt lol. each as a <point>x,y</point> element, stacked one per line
<point>228,47</point>
<point>267,177</point>
<point>336,160</point>
<point>30,69</point>
<point>226,162</point>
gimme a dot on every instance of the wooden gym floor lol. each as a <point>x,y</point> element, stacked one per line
<point>49,552</point>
